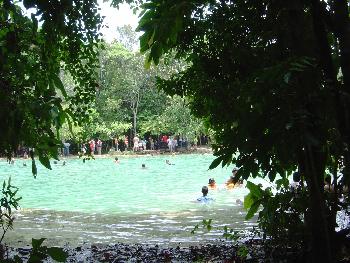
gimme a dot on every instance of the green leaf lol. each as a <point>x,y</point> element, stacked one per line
<point>29,3</point>
<point>215,163</point>
<point>156,52</point>
<point>255,190</point>
<point>34,169</point>
<point>17,259</point>
<point>148,62</point>
<point>253,209</point>
<point>194,229</point>
<point>36,243</point>
<point>145,19</point>
<point>227,158</point>
<point>58,83</point>
<point>272,176</point>
<point>44,159</point>
<point>57,254</point>
<point>35,258</point>
<point>144,41</point>
<point>248,201</point>
<point>282,182</point>
<point>35,23</point>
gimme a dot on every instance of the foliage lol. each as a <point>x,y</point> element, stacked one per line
<point>230,234</point>
<point>263,74</point>
<point>95,127</point>
<point>127,96</point>
<point>283,213</point>
<point>8,201</point>
<point>243,252</point>
<point>40,253</point>
<point>126,88</point>
<point>128,92</point>
<point>176,118</point>
<point>31,57</point>
<point>205,223</point>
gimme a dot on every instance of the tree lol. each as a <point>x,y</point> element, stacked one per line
<point>175,119</point>
<point>126,35</point>
<point>128,91</point>
<point>264,76</point>
<point>31,58</point>
<point>124,82</point>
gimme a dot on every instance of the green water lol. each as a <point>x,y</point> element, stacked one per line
<point>102,186</point>
<point>100,201</point>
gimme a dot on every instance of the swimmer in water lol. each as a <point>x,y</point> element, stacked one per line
<point>143,166</point>
<point>233,181</point>
<point>212,183</point>
<point>169,163</point>
<point>205,198</point>
<point>116,160</point>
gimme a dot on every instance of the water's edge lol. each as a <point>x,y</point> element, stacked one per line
<point>76,229</point>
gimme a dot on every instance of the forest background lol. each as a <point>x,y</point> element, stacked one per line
<point>271,79</point>
<point>128,101</point>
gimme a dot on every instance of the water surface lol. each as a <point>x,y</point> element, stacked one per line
<point>102,202</point>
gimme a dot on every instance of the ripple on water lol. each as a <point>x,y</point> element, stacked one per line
<point>102,202</point>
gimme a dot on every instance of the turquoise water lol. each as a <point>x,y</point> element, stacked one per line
<point>102,186</point>
<point>103,202</point>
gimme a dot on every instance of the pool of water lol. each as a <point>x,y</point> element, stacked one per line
<point>100,201</point>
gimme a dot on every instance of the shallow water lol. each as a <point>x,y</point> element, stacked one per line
<point>102,202</point>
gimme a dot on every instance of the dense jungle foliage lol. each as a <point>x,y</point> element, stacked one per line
<point>270,78</point>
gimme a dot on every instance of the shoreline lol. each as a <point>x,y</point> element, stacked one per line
<point>121,252</point>
<point>252,250</point>
<point>112,153</point>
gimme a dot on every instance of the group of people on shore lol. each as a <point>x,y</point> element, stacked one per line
<point>95,146</point>
<point>231,183</point>
<point>164,141</point>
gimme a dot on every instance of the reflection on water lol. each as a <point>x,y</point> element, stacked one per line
<point>75,228</point>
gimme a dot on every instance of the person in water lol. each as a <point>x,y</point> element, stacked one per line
<point>233,181</point>
<point>143,166</point>
<point>212,183</point>
<point>169,163</point>
<point>116,160</point>
<point>205,198</point>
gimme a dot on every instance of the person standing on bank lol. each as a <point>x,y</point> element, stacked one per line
<point>92,146</point>
<point>99,147</point>
<point>136,141</point>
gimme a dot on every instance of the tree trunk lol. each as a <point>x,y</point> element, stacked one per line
<point>342,27</point>
<point>342,31</point>
<point>134,122</point>
<point>302,43</point>
<point>134,108</point>
<point>314,165</point>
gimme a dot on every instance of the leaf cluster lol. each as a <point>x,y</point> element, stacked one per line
<point>8,202</point>
<point>264,77</point>
<point>31,57</point>
<point>40,253</point>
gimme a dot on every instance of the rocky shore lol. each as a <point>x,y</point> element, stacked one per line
<point>253,250</point>
<point>142,253</point>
